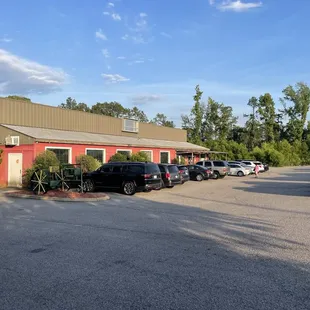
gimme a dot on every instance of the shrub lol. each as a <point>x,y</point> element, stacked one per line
<point>44,160</point>
<point>88,163</point>
<point>176,161</point>
<point>139,157</point>
<point>118,157</point>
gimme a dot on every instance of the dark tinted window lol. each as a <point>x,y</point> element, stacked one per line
<point>61,154</point>
<point>219,163</point>
<point>233,166</point>
<point>135,169</point>
<point>247,163</point>
<point>117,168</point>
<point>200,163</point>
<point>182,168</point>
<point>106,168</point>
<point>208,164</point>
<point>151,168</point>
<point>173,169</point>
<point>162,168</point>
<point>190,167</point>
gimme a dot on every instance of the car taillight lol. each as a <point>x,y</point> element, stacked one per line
<point>167,175</point>
<point>147,176</point>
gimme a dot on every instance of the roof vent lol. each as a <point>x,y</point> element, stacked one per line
<point>12,140</point>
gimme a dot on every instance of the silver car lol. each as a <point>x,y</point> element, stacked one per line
<point>239,170</point>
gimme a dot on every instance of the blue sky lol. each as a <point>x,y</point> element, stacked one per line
<point>152,53</point>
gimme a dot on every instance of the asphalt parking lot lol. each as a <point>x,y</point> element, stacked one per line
<point>237,243</point>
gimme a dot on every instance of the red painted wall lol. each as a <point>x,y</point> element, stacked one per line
<point>28,157</point>
<point>31,151</point>
<point>79,149</point>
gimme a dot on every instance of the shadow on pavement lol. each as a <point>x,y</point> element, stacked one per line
<point>132,253</point>
<point>286,188</point>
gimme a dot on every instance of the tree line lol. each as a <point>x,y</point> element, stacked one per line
<point>278,136</point>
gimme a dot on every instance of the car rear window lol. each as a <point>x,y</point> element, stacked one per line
<point>151,168</point>
<point>182,168</point>
<point>219,163</point>
<point>173,169</point>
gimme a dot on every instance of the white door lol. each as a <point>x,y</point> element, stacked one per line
<point>15,169</point>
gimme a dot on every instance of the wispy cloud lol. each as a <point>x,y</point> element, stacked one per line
<point>100,35</point>
<point>140,31</point>
<point>236,5</point>
<point>6,39</point>
<point>105,53</point>
<point>22,76</point>
<point>111,5</point>
<point>121,57</point>
<point>114,78</point>
<point>116,16</point>
<point>106,13</point>
<point>139,61</point>
<point>143,99</point>
<point>165,34</point>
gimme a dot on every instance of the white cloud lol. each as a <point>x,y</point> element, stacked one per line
<point>165,34</point>
<point>121,57</point>
<point>125,37</point>
<point>211,2</point>
<point>116,16</point>
<point>100,35</point>
<point>143,15</point>
<point>114,78</point>
<point>111,5</point>
<point>238,5</point>
<point>6,39</point>
<point>142,99</point>
<point>22,76</point>
<point>105,53</point>
<point>106,13</point>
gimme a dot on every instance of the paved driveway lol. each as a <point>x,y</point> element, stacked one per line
<point>237,243</point>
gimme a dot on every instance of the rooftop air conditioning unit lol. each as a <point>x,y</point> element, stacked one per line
<point>12,140</point>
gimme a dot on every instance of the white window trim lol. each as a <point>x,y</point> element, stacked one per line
<point>169,159</point>
<point>126,150</point>
<point>148,151</point>
<point>97,149</point>
<point>62,148</point>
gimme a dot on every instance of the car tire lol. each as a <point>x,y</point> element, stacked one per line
<point>89,185</point>
<point>199,177</point>
<point>216,175</point>
<point>240,174</point>
<point>129,188</point>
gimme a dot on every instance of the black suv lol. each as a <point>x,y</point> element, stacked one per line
<point>170,175</point>
<point>128,177</point>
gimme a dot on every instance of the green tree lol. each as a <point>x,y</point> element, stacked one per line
<point>71,104</point>
<point>113,109</point>
<point>139,157</point>
<point>252,125</point>
<point>193,122</point>
<point>15,97</point>
<point>137,115</point>
<point>161,120</point>
<point>267,114</point>
<point>296,102</point>
<point>118,157</point>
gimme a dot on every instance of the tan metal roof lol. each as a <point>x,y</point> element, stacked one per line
<point>62,136</point>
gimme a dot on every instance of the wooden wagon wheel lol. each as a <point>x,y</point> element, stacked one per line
<point>39,182</point>
<point>63,184</point>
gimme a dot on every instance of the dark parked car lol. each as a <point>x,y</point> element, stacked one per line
<point>125,176</point>
<point>198,173</point>
<point>170,175</point>
<point>184,174</point>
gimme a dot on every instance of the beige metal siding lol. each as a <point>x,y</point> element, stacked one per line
<point>23,139</point>
<point>23,113</point>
